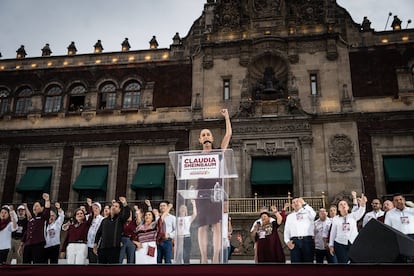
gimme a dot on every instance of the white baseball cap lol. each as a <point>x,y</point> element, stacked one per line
<point>98,205</point>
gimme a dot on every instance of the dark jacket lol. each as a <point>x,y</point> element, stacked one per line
<point>110,231</point>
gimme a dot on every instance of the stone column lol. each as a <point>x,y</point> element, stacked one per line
<point>306,146</point>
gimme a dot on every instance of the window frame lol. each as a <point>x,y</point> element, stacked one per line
<point>77,98</point>
<point>133,96</point>
<point>226,88</point>
<point>4,101</point>
<point>53,99</point>
<point>23,101</point>
<point>107,97</point>
<point>314,84</point>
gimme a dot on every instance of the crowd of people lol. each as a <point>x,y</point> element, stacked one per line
<point>91,235</point>
<point>137,236</point>
<point>119,232</point>
<point>329,235</point>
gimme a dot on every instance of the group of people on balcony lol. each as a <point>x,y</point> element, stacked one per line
<point>137,236</point>
<point>329,236</point>
<point>89,236</point>
<point>108,236</point>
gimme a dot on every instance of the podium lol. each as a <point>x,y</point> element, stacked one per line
<point>201,204</point>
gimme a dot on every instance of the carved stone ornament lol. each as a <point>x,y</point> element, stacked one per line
<point>228,15</point>
<point>308,12</point>
<point>341,153</point>
<point>267,8</point>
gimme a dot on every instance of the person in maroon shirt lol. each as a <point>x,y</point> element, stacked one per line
<point>33,241</point>
<point>76,238</point>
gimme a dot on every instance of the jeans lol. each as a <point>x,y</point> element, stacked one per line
<point>128,249</point>
<point>182,250</point>
<point>320,254</point>
<point>164,251</point>
<point>303,251</point>
<point>342,252</point>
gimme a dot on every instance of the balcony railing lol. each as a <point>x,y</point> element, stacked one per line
<point>236,205</point>
<point>253,205</point>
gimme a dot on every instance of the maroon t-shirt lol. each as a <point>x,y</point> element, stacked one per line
<point>35,228</point>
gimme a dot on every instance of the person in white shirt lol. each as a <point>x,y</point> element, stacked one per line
<point>165,246</point>
<point>344,229</point>
<point>299,232</point>
<point>52,234</point>
<point>322,227</point>
<point>401,217</point>
<point>375,213</point>
<point>8,224</point>
<point>386,206</point>
<point>96,222</point>
<point>183,246</point>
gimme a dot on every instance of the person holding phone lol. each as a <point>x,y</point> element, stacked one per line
<point>269,248</point>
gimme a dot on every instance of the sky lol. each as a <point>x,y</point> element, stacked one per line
<point>33,23</point>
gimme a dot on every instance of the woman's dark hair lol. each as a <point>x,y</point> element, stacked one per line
<point>267,213</point>
<point>347,202</point>
<point>5,208</point>
<point>74,213</point>
<point>153,216</point>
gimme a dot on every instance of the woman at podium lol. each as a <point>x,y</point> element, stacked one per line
<point>209,211</point>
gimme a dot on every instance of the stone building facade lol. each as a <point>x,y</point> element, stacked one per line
<point>318,103</point>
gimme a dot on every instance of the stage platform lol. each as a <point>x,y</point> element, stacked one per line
<point>210,269</point>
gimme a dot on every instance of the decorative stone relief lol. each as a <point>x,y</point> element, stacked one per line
<point>208,60</point>
<point>276,128</point>
<point>306,140</point>
<point>308,12</point>
<point>341,153</point>
<point>270,149</point>
<point>331,49</point>
<point>228,15</point>
<point>244,56</point>
<point>34,118</point>
<point>267,8</point>
<point>88,115</point>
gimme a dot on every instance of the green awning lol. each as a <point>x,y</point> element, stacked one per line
<point>149,176</point>
<point>92,178</point>
<point>266,171</point>
<point>35,179</point>
<point>399,168</point>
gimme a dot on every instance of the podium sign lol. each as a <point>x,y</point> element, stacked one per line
<point>201,204</point>
<point>200,166</point>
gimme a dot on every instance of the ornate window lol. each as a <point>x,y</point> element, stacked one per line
<point>107,96</point>
<point>24,100</point>
<point>53,99</point>
<point>77,98</point>
<point>4,101</point>
<point>132,94</point>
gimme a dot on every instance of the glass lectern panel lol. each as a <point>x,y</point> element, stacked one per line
<point>201,204</point>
